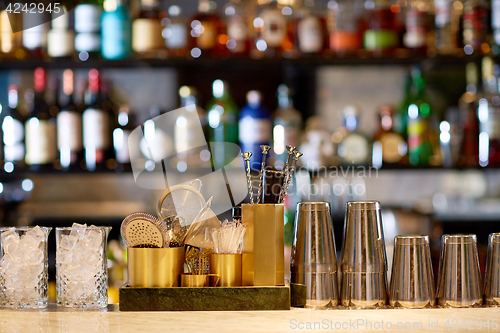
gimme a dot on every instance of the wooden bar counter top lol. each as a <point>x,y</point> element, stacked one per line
<point>305,320</point>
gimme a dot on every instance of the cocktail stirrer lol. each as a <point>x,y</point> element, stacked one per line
<point>288,179</point>
<point>286,170</point>
<point>246,155</point>
<point>265,150</point>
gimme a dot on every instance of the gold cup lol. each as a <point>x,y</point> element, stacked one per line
<point>227,267</point>
<point>155,268</point>
<point>195,281</point>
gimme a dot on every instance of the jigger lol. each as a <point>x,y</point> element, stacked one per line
<point>364,263</point>
<point>314,262</point>
<point>412,281</point>
<point>492,278</point>
<point>459,282</point>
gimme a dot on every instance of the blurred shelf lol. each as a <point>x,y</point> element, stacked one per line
<point>239,63</point>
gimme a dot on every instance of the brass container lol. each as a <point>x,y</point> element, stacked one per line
<point>228,268</point>
<point>195,281</point>
<point>263,258</point>
<point>155,268</point>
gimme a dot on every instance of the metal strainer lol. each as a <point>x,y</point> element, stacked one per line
<point>185,201</point>
<point>143,230</point>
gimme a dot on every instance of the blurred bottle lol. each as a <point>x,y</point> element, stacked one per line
<point>287,126</point>
<point>254,127</point>
<point>35,28</point>
<point>125,125</point>
<point>147,40</point>
<point>13,132</point>
<point>417,22</point>
<point>495,20</point>
<point>96,127</point>
<point>381,37</point>
<point>175,32</point>
<point>389,147</point>
<point>238,32</point>
<point>41,146</point>
<point>489,116</point>
<point>11,36</point>
<point>468,104</point>
<point>88,29</point>
<point>419,111</point>
<point>60,38</point>
<point>271,29</point>
<point>401,116</point>
<point>447,21</point>
<point>208,32</point>
<point>223,122</point>
<point>69,127</point>
<point>116,31</point>
<point>354,148</point>
<point>344,25</point>
<point>475,25</point>
<point>312,33</point>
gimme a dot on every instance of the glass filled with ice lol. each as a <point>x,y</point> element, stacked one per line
<point>23,267</point>
<point>81,267</point>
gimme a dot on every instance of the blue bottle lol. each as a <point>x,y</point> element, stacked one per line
<point>116,31</point>
<point>254,128</point>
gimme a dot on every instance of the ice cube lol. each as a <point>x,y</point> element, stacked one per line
<point>28,243</point>
<point>78,230</point>
<point>93,238</point>
<point>68,242</point>
<point>37,233</point>
<point>8,238</point>
<point>34,256</point>
<point>64,256</point>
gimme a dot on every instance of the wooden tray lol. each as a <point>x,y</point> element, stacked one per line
<point>205,299</point>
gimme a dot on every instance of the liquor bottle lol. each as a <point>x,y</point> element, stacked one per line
<point>238,31</point>
<point>287,126</point>
<point>69,127</point>
<point>495,20</point>
<point>35,27</point>
<point>223,123</point>
<point>389,147</point>
<point>60,39</point>
<point>88,29</point>
<point>447,22</point>
<point>96,127</point>
<point>419,111</point>
<point>417,26</point>
<point>344,26</point>
<point>354,148</point>
<point>41,146</point>
<point>147,40</point>
<point>271,30</point>
<point>381,37</point>
<point>401,116</point>
<point>489,116</point>
<point>475,25</point>
<point>175,32</point>
<point>312,34</point>
<point>11,37</point>
<point>116,31</point>
<point>125,126</point>
<point>208,32</point>
<point>13,133</point>
<point>254,127</point>
<point>468,104</point>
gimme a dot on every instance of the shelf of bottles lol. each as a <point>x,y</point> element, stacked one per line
<point>112,33</point>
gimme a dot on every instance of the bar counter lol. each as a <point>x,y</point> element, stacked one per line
<point>427,320</point>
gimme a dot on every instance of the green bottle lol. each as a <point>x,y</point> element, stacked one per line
<point>223,124</point>
<point>401,115</point>
<point>418,112</point>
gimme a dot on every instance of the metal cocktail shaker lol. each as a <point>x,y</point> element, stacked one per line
<point>314,261</point>
<point>364,263</point>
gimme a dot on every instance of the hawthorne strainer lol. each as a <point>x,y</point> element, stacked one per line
<point>143,230</point>
<point>185,201</point>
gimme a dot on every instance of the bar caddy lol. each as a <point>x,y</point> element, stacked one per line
<point>178,262</point>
